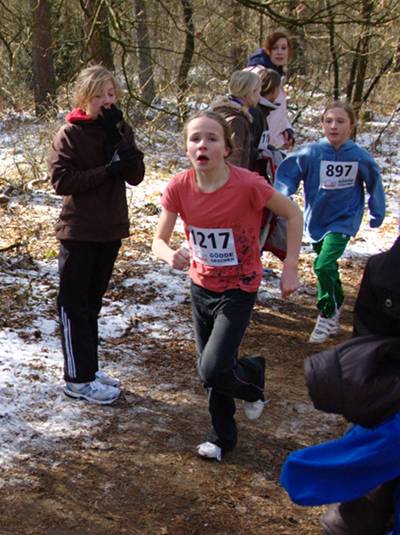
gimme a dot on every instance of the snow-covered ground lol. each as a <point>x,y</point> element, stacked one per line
<point>34,413</point>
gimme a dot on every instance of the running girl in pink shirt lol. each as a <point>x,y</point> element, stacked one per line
<point>221,207</point>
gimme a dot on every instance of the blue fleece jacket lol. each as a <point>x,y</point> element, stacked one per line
<point>346,468</point>
<point>260,57</point>
<point>334,187</point>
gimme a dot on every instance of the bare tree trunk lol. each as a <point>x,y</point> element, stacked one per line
<point>362,64</point>
<point>44,84</point>
<point>332,49</point>
<point>377,78</point>
<point>97,32</point>
<point>146,72</point>
<point>298,63</point>
<point>238,58</point>
<point>260,30</point>
<point>396,67</point>
<point>187,57</point>
<point>352,73</point>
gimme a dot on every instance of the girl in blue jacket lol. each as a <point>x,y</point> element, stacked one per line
<point>335,172</point>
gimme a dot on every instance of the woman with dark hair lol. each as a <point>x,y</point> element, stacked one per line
<point>274,55</point>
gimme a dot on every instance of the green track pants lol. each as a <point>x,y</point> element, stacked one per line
<point>326,268</point>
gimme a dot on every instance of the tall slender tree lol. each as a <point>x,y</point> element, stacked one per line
<point>146,72</point>
<point>187,56</point>
<point>44,84</point>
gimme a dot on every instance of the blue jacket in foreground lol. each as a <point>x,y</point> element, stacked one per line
<point>334,187</point>
<point>344,469</point>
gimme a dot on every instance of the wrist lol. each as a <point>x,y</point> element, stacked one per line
<point>290,262</point>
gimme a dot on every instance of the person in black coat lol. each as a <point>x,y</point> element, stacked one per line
<point>376,312</point>
<point>377,308</point>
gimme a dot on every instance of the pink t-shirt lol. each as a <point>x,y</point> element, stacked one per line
<point>222,227</point>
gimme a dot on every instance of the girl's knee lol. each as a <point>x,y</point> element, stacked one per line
<point>209,372</point>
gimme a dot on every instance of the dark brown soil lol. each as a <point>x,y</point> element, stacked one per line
<point>141,474</point>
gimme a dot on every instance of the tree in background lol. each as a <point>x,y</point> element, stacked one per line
<point>146,72</point>
<point>186,61</point>
<point>97,35</point>
<point>44,83</point>
<point>176,54</point>
<point>351,41</point>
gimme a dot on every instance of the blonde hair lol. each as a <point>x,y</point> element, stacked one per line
<point>209,114</point>
<point>344,106</point>
<point>92,80</point>
<point>243,82</point>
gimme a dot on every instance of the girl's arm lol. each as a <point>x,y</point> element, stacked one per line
<point>284,207</point>
<point>63,164</point>
<point>289,174</point>
<point>177,259</point>
<point>373,182</point>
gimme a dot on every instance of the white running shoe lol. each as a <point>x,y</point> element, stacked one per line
<point>337,319</point>
<point>324,327</point>
<point>107,379</point>
<point>254,409</point>
<point>94,392</point>
<point>209,450</point>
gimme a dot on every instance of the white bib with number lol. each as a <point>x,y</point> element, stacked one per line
<point>213,246</point>
<point>264,140</point>
<point>337,175</point>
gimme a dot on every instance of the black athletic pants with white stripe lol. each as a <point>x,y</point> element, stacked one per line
<point>85,270</point>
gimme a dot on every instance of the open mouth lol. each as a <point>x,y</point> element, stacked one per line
<point>202,158</point>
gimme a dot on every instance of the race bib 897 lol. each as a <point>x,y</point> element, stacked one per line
<point>213,246</point>
<point>337,175</point>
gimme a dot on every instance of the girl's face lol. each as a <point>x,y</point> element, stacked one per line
<point>104,97</point>
<point>337,126</point>
<point>252,98</point>
<point>205,143</point>
<point>280,51</point>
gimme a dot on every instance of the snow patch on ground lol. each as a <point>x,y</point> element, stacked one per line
<point>34,413</point>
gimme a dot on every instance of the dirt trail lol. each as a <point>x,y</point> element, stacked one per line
<point>140,473</point>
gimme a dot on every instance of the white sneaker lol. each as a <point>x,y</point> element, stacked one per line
<point>337,319</point>
<point>254,409</point>
<point>94,392</point>
<point>209,450</point>
<point>107,379</point>
<point>324,327</point>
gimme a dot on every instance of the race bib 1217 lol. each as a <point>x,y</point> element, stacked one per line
<point>337,175</point>
<point>213,246</point>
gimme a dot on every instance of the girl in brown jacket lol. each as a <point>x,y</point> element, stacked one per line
<point>91,158</point>
<point>244,88</point>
